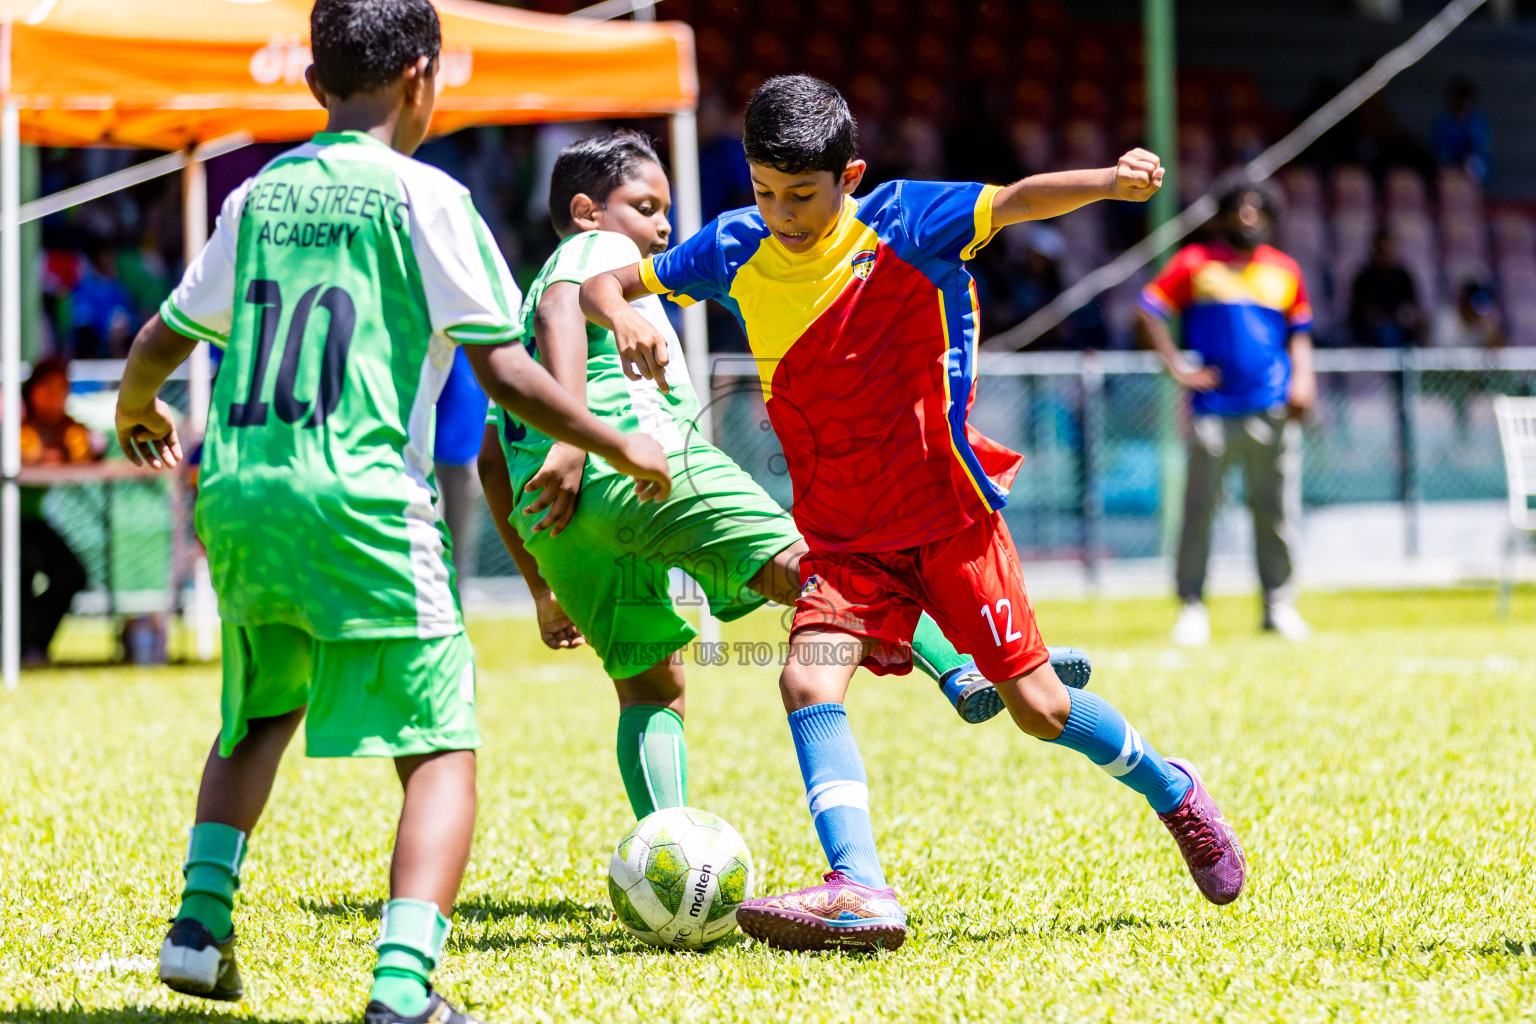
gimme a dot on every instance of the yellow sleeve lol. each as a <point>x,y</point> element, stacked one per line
<point>983,214</point>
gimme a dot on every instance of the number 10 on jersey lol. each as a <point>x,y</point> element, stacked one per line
<point>342,316</point>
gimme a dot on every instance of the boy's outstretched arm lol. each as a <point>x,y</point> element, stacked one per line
<point>605,299</point>
<point>144,428</point>
<point>515,382</point>
<point>1135,178</point>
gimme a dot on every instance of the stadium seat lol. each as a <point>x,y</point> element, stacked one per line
<point>1521,312</point>
<point>1085,99</point>
<point>1246,140</point>
<point>1406,192</point>
<point>1353,190</point>
<point>1303,235</point>
<point>1514,235</point>
<point>1303,190</point>
<point>1033,144</point>
<point>1085,145</point>
<point>1458,193</point>
<point>823,55</point>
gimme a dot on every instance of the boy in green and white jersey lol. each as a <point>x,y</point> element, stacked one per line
<point>341,280</point>
<point>599,574</point>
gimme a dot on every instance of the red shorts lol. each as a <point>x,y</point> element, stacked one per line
<point>970,583</point>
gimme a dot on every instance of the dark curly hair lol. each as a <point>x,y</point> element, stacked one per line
<point>364,45</point>
<point>595,166</point>
<point>796,123</point>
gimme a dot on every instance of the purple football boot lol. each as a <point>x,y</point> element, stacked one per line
<point>1207,841</point>
<point>837,914</point>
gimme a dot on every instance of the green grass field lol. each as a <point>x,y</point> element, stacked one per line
<point>1380,778</point>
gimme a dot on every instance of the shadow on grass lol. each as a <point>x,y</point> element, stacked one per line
<point>595,928</point>
<point>139,1015</point>
<point>1499,947</point>
<point>1119,922</point>
<point>471,908</point>
<point>346,906</point>
<point>597,934</point>
<point>494,908</point>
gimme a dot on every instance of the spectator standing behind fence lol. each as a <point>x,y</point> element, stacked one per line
<point>102,319</point>
<point>49,437</point>
<point>1383,304</point>
<point>1245,312</point>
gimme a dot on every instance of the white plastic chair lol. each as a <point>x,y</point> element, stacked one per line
<point>1517,433</point>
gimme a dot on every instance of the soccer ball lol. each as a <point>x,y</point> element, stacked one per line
<point>678,876</point>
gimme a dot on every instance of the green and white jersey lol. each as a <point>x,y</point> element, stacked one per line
<point>339,281</point>
<point>626,405</point>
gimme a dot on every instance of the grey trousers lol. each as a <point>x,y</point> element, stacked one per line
<point>1268,447</point>
<point>458,500</point>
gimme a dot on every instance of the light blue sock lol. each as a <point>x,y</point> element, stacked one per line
<point>837,791</point>
<point>1097,731</point>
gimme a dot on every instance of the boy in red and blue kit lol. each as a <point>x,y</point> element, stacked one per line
<point>863,320</point>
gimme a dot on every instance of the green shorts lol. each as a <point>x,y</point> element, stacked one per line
<point>366,698</point>
<point>609,566</point>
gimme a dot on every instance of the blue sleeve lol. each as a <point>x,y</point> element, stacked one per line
<point>690,272</point>
<point>461,410</point>
<point>947,220</point>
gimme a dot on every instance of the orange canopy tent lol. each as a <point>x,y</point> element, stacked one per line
<point>162,74</point>
<point>170,74</point>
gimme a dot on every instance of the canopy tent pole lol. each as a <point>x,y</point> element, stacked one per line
<point>10,371</point>
<point>688,218</point>
<point>194,219</point>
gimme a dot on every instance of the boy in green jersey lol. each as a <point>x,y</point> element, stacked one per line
<point>340,281</point>
<point>599,572</point>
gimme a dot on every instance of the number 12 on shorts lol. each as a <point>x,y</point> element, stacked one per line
<point>1004,607</point>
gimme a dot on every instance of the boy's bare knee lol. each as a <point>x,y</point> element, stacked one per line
<point>660,685</point>
<point>795,688</point>
<point>1040,703</point>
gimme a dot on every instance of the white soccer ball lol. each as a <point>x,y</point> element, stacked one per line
<point>678,876</point>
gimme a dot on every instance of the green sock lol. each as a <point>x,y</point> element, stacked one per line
<point>212,871</point>
<point>653,758</point>
<point>932,652</point>
<point>411,938</point>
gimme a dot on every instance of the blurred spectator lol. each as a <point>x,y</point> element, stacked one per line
<point>1383,303</point>
<point>1472,323</point>
<point>724,183</point>
<point>1245,312</point>
<point>1028,279</point>
<point>1461,134</point>
<point>101,310</point>
<point>49,437</point>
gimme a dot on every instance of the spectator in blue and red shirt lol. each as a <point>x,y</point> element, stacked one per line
<point>1244,309</point>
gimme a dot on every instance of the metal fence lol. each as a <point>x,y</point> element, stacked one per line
<point>1103,439</point>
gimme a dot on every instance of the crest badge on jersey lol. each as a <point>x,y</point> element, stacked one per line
<point>863,262</point>
<point>812,584</point>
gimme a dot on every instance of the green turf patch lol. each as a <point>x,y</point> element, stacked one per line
<point>1380,778</point>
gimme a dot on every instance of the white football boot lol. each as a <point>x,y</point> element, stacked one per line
<point>1284,619</point>
<point>1194,626</point>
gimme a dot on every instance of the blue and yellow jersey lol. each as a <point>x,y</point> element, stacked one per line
<point>1239,313</point>
<point>866,346</point>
